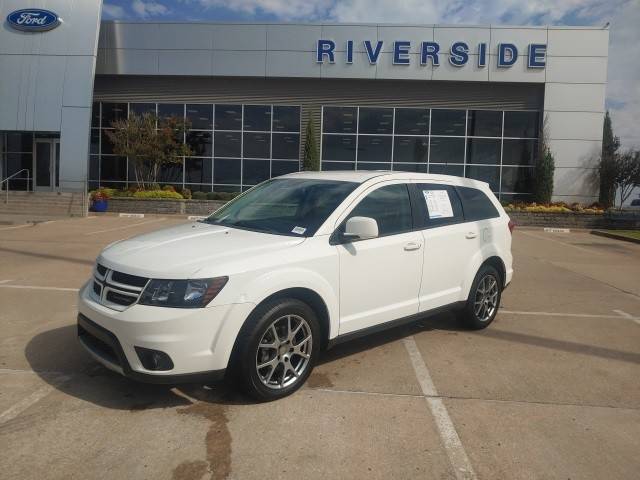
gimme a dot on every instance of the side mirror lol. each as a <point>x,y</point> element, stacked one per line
<point>360,228</point>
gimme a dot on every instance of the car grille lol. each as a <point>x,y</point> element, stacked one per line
<point>116,290</point>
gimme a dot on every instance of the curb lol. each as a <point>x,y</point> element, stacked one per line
<point>615,236</point>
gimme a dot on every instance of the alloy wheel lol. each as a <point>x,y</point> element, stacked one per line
<point>284,351</point>
<point>486,300</point>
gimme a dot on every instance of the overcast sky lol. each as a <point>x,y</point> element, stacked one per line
<point>623,89</point>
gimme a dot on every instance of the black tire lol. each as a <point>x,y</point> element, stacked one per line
<point>469,315</point>
<point>247,351</point>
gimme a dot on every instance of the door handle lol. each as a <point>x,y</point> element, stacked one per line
<point>412,246</point>
<point>471,235</point>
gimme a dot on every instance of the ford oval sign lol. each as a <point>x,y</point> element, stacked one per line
<point>33,20</point>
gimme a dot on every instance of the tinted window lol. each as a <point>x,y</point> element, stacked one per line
<point>483,150</point>
<point>412,121</point>
<point>389,206</point>
<point>112,112</point>
<point>228,117</point>
<point>227,144</point>
<point>517,179</point>
<point>376,120</point>
<point>339,147</point>
<point>139,109</point>
<point>200,116</point>
<point>285,206</point>
<point>285,145</point>
<point>439,205</point>
<point>256,145</point>
<point>476,205</point>
<point>165,111</point>
<point>340,119</point>
<point>373,148</point>
<point>197,170</point>
<point>490,175</point>
<point>199,143</point>
<point>519,152</point>
<point>521,124</point>
<point>257,117</point>
<point>410,149</point>
<point>447,150</point>
<point>286,119</point>
<point>448,122</point>
<point>484,123</point>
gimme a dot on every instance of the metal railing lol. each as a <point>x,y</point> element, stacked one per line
<point>12,176</point>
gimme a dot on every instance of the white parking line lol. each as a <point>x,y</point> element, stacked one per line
<point>627,315</point>
<point>587,250</point>
<point>35,287</point>
<point>126,226</point>
<point>448,434</point>
<point>5,281</point>
<point>558,314</point>
<point>16,409</point>
<point>17,226</point>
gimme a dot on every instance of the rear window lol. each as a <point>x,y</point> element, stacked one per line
<point>476,205</point>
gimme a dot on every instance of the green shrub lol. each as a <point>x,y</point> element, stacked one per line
<point>226,196</point>
<point>157,194</point>
<point>543,184</point>
<point>199,195</point>
<point>186,193</point>
<point>311,155</point>
<point>169,188</point>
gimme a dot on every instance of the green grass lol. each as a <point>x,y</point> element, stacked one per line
<point>625,233</point>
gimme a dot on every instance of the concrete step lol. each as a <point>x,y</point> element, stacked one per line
<point>42,203</point>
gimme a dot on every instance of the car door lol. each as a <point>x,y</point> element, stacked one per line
<point>449,244</point>
<point>380,277</point>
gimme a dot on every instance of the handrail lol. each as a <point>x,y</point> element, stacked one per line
<point>13,175</point>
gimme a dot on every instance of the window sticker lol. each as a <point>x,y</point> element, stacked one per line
<point>438,203</point>
<point>299,230</point>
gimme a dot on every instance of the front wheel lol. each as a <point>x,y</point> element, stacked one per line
<point>484,298</point>
<point>277,349</point>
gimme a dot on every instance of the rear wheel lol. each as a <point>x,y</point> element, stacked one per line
<point>277,349</point>
<point>484,298</point>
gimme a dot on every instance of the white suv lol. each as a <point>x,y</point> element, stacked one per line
<point>292,266</point>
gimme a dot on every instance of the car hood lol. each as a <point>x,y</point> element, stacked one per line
<point>187,250</point>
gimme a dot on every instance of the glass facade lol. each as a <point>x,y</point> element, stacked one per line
<point>233,146</point>
<point>498,147</point>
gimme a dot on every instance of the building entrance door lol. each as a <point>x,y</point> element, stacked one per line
<point>46,164</point>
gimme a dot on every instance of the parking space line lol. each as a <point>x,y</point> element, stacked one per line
<point>577,315</point>
<point>34,287</point>
<point>17,226</point>
<point>448,434</point>
<point>627,315</point>
<point>5,281</point>
<point>30,400</point>
<point>589,251</point>
<point>126,226</point>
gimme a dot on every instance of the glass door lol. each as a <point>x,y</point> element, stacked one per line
<point>46,163</point>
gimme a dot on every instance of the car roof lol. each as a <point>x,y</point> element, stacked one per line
<point>361,176</point>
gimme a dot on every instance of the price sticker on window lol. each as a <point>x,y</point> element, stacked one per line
<point>438,203</point>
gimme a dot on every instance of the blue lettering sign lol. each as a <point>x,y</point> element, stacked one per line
<point>349,51</point>
<point>373,54</point>
<point>507,54</point>
<point>325,47</point>
<point>537,54</point>
<point>401,53</point>
<point>459,54</point>
<point>428,51</point>
<point>482,55</point>
<point>33,20</point>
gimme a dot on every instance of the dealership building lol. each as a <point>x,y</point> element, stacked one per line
<point>460,100</point>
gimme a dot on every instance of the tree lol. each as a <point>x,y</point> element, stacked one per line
<point>147,146</point>
<point>544,169</point>
<point>607,165</point>
<point>627,170</point>
<point>311,159</point>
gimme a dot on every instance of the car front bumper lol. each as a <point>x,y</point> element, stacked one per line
<point>198,341</point>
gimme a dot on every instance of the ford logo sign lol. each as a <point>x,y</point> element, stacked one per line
<point>33,20</point>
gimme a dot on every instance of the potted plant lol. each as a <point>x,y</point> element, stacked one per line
<point>99,200</point>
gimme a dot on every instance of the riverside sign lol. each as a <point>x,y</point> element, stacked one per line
<point>459,53</point>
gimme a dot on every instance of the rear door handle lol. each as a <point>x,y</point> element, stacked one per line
<point>471,235</point>
<point>412,246</point>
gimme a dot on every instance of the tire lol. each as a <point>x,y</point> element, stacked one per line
<point>267,367</point>
<point>484,298</point>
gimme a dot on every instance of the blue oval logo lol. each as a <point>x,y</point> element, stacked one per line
<point>33,20</point>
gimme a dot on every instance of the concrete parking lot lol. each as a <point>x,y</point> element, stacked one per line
<point>550,390</point>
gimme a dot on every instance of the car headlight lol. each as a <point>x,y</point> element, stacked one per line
<point>182,293</point>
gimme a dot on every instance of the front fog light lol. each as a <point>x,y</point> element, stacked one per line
<point>182,293</point>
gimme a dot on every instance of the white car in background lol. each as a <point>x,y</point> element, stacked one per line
<point>293,266</point>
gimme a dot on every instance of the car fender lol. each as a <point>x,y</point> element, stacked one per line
<point>274,281</point>
<point>488,250</point>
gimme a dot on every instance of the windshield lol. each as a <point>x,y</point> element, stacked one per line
<point>284,206</point>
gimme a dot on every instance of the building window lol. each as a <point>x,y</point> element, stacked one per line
<point>233,146</point>
<point>495,146</point>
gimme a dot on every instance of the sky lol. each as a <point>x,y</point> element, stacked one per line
<point>623,89</point>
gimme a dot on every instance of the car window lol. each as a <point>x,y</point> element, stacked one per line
<point>389,206</point>
<point>476,205</point>
<point>284,206</point>
<point>440,205</point>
